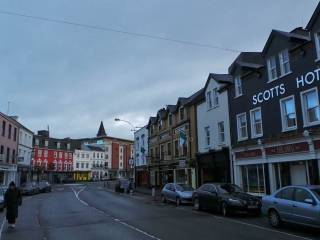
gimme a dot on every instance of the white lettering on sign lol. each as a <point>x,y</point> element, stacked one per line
<point>269,94</point>
<point>308,78</point>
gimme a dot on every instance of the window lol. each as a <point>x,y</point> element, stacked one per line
<point>215,95</point>
<point>77,165</point>
<point>300,195</point>
<point>310,105</point>
<point>317,41</point>
<point>55,165</point>
<point>256,122</point>
<point>160,124</point>
<point>207,135</point>
<point>221,132</point>
<point>169,149</point>
<point>46,143</point>
<point>286,194</point>
<point>181,113</point>
<point>13,156</point>
<point>66,166</point>
<point>209,100</point>
<point>82,165</point>
<point>162,152</point>
<point>3,128</point>
<point>1,149</point>
<point>87,165</point>
<point>272,68</point>
<point>45,153</point>
<point>60,155</point>
<point>8,155</point>
<point>55,154</point>
<point>37,142</point>
<point>242,126</point>
<point>58,145</point>
<point>238,86</point>
<point>68,146</point>
<point>66,155</point>
<point>15,134</point>
<point>288,113</point>
<point>9,134</point>
<point>70,155</point>
<point>39,153</point>
<point>176,148</point>
<point>284,62</point>
<point>253,178</point>
<point>170,119</point>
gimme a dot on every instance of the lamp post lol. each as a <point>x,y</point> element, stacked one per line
<point>133,129</point>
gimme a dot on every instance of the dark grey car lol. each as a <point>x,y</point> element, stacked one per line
<point>178,193</point>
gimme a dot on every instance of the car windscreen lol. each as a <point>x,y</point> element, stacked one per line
<point>316,192</point>
<point>183,187</point>
<point>230,188</point>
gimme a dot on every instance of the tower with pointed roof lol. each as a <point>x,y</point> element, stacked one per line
<point>101,131</point>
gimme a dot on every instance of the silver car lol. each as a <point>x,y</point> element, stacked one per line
<point>293,204</point>
<point>178,193</point>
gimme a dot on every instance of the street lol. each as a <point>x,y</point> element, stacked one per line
<point>90,212</point>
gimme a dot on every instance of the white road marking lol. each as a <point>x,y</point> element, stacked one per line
<point>114,219</point>
<point>2,226</point>
<point>262,228</point>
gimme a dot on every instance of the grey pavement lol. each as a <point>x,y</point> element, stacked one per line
<point>91,212</point>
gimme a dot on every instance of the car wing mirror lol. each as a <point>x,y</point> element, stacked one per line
<point>309,201</point>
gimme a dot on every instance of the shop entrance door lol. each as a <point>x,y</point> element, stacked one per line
<point>298,174</point>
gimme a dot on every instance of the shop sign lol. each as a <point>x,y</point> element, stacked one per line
<point>278,90</point>
<point>248,154</point>
<point>289,148</point>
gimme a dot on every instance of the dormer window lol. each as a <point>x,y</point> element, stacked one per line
<point>209,100</point>
<point>317,43</point>
<point>238,86</point>
<point>284,62</point>
<point>272,68</point>
<point>181,113</point>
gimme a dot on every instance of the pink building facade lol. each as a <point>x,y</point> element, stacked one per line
<point>9,133</point>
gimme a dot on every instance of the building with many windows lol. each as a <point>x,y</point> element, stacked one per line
<point>8,149</point>
<point>53,158</point>
<point>213,135</point>
<point>274,111</point>
<point>140,156</point>
<point>172,144</point>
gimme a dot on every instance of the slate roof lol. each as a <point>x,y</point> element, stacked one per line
<point>314,17</point>
<point>250,60</point>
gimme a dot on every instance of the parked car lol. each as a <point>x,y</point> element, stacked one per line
<point>2,192</point>
<point>293,204</point>
<point>225,198</point>
<point>44,187</point>
<point>178,193</point>
<point>29,188</point>
<point>123,185</point>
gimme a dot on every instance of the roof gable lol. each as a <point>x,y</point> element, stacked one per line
<point>314,17</point>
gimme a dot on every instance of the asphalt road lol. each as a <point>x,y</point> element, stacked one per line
<point>77,212</point>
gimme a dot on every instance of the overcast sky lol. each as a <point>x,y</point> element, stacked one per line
<point>71,78</point>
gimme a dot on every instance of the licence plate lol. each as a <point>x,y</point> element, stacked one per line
<point>252,207</point>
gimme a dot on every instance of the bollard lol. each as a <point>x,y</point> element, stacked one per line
<point>153,193</point>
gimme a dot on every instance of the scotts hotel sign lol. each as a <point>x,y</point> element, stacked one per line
<point>276,91</point>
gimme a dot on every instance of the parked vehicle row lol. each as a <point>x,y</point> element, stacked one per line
<point>31,188</point>
<point>292,204</point>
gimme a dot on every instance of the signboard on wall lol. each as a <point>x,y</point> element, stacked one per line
<point>248,154</point>
<point>289,148</point>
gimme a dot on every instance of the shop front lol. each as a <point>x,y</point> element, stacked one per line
<point>213,166</point>
<point>142,176</point>
<point>264,170</point>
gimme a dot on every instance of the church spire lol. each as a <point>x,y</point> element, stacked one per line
<point>101,131</point>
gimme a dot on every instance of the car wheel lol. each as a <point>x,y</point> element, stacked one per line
<point>274,218</point>
<point>163,199</point>
<point>224,209</point>
<point>196,204</point>
<point>178,201</point>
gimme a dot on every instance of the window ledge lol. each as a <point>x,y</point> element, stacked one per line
<point>238,96</point>
<point>272,80</point>
<point>284,75</point>
<point>242,139</point>
<point>289,129</point>
<point>311,124</point>
<point>257,136</point>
